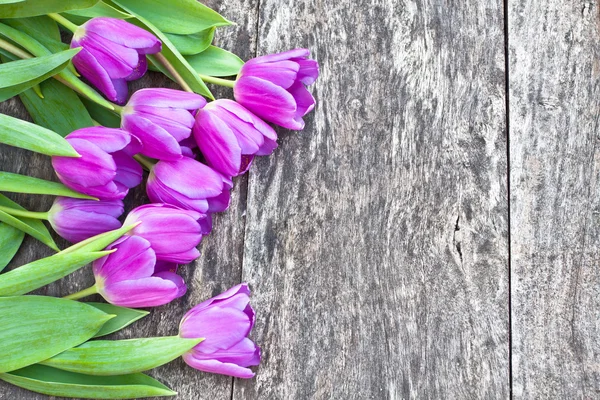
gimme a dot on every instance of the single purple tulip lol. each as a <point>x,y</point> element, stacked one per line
<point>224,322</point>
<point>77,219</point>
<point>106,168</point>
<point>172,232</point>
<point>161,118</point>
<point>113,52</point>
<point>229,136</point>
<point>188,184</point>
<point>272,87</point>
<point>127,278</point>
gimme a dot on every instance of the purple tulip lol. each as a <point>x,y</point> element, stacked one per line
<point>161,118</point>
<point>106,168</point>
<point>113,52</point>
<point>188,184</point>
<point>77,219</point>
<point>229,136</point>
<point>172,232</point>
<point>272,87</point>
<point>127,278</point>
<point>224,322</point>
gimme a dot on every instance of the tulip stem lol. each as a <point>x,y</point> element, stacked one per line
<point>11,48</point>
<point>82,293</point>
<point>145,161</point>
<point>24,213</point>
<point>63,21</point>
<point>217,81</point>
<point>169,67</point>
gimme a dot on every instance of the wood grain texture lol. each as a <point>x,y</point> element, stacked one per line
<point>555,198</point>
<point>376,239</point>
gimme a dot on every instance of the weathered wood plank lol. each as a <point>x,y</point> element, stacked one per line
<point>376,240</point>
<point>555,197</point>
<point>220,264</point>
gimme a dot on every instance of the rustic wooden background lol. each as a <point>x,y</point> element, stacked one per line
<point>433,233</point>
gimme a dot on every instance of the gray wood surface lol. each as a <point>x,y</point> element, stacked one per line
<point>555,198</point>
<point>376,241</point>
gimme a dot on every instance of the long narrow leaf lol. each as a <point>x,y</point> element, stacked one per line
<point>215,61</point>
<point>193,43</point>
<point>10,241</point>
<point>31,226</point>
<point>55,382</point>
<point>16,183</point>
<point>124,317</point>
<point>23,134</point>
<point>31,8</point>
<point>17,76</point>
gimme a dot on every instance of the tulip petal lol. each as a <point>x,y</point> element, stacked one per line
<point>189,177</point>
<point>219,203</point>
<point>78,225</point>
<point>145,292</point>
<point>95,167</point>
<point>282,73</point>
<point>123,33</point>
<point>167,98</point>
<point>108,139</point>
<point>129,172</point>
<point>156,142</point>
<point>158,192</point>
<point>134,259</point>
<point>286,55</point>
<point>244,353</point>
<point>304,100</point>
<point>267,148</point>
<point>176,279</point>
<point>268,101</point>
<point>90,68</point>
<point>177,122</point>
<point>242,289</point>
<point>139,70</point>
<point>218,367</point>
<point>184,257</point>
<point>218,143</point>
<point>121,89</point>
<point>221,328</point>
<point>309,71</point>
<point>118,61</point>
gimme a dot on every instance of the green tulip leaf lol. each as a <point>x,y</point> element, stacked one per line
<point>119,357</point>
<point>32,8</point>
<point>35,328</point>
<point>39,273</point>
<point>42,28</point>
<point>31,226</point>
<point>101,115</point>
<point>124,317</point>
<point>23,134</point>
<point>16,183</point>
<point>193,43</point>
<point>101,9</point>
<point>175,16</point>
<point>10,1</point>
<point>173,56</point>
<point>10,241</point>
<point>55,382</point>
<point>17,76</point>
<point>215,61</point>
<point>60,110</point>
<point>44,271</point>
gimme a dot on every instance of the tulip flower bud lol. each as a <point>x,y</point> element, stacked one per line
<point>188,184</point>
<point>161,118</point>
<point>127,278</point>
<point>224,322</point>
<point>272,87</point>
<point>172,232</point>
<point>78,219</point>
<point>229,136</point>
<point>113,52</point>
<point>106,168</point>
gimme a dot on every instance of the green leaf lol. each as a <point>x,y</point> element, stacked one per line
<point>101,9</point>
<point>101,115</point>
<point>193,43</point>
<point>172,55</point>
<point>215,61</point>
<point>44,271</point>
<point>124,317</point>
<point>47,270</point>
<point>42,236</point>
<point>31,8</point>
<point>35,328</point>
<point>33,227</point>
<point>119,357</point>
<point>10,1</point>
<point>54,382</point>
<point>23,134</point>
<point>175,16</point>
<point>60,110</point>
<point>10,241</point>
<point>42,28</point>
<point>17,76</point>
<point>16,183</point>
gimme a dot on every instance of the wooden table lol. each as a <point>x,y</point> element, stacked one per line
<point>433,233</point>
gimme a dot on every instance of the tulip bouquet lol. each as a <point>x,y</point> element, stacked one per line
<point>102,143</point>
